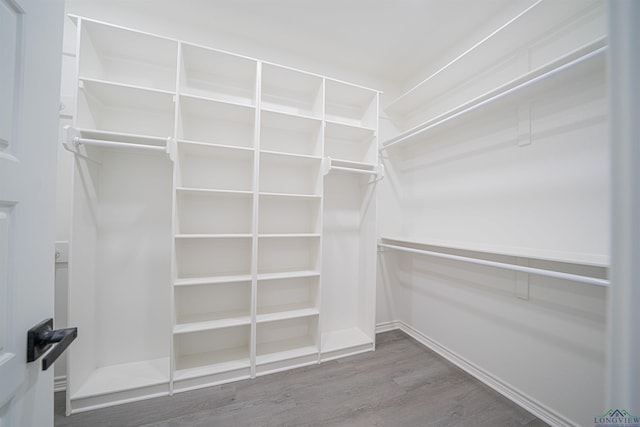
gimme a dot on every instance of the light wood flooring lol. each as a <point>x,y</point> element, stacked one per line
<point>400,384</point>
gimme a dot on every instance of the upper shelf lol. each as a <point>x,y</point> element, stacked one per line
<point>537,33</point>
<point>291,91</point>
<point>589,57</point>
<point>124,56</point>
<point>124,109</point>
<point>217,75</point>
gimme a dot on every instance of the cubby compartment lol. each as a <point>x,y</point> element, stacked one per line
<point>350,143</point>
<point>204,166</point>
<point>204,120</point>
<point>287,133</point>
<point>202,260</point>
<point>129,57</point>
<point>115,108</point>
<point>352,105</point>
<point>207,212</point>
<point>212,306</point>
<point>289,215</point>
<point>217,75</point>
<point>210,352</point>
<point>291,91</point>
<point>296,175</point>
<point>287,298</point>
<point>284,340</point>
<point>280,255</point>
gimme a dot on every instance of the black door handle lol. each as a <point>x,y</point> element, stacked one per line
<point>41,338</point>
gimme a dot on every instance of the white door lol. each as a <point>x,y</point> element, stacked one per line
<point>30,56</point>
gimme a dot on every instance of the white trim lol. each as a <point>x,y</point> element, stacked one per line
<point>60,383</point>
<point>521,399</point>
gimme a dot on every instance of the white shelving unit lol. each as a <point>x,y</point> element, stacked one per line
<point>215,240</point>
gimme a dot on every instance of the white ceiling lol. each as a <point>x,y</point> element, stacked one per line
<point>393,40</point>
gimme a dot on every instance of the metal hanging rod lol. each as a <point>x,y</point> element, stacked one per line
<point>116,144</point>
<point>354,170</point>
<point>531,270</point>
<point>475,104</point>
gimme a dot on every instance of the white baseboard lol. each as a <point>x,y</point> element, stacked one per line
<point>387,326</point>
<point>60,383</point>
<point>521,399</point>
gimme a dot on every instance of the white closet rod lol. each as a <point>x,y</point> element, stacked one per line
<point>116,144</point>
<point>474,106</point>
<point>504,266</point>
<point>354,170</point>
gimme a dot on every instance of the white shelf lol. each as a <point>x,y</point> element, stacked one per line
<point>193,324</point>
<point>211,257</point>
<point>206,280</point>
<point>294,348</point>
<point>282,196</point>
<point>213,236</point>
<point>212,363</point>
<point>343,339</point>
<point>509,42</point>
<point>214,167</point>
<point>596,260</point>
<point>286,133</point>
<point>212,306</point>
<point>289,274</point>
<point>349,143</point>
<point>216,122</point>
<point>203,213</point>
<point>585,59</point>
<point>286,339</point>
<point>218,75</point>
<point>122,377</point>
<point>124,109</point>
<point>288,254</point>
<point>290,91</point>
<point>211,351</point>
<point>289,174</point>
<point>124,56</point>
<point>351,105</point>
<point>287,235</point>
<point>287,215</point>
<point>212,192</point>
<point>284,312</point>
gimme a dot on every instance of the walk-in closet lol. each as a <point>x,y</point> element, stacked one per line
<point>236,202</point>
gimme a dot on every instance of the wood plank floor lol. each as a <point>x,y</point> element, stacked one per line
<point>400,384</point>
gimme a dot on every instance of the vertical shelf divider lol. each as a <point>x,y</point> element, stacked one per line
<point>256,215</point>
